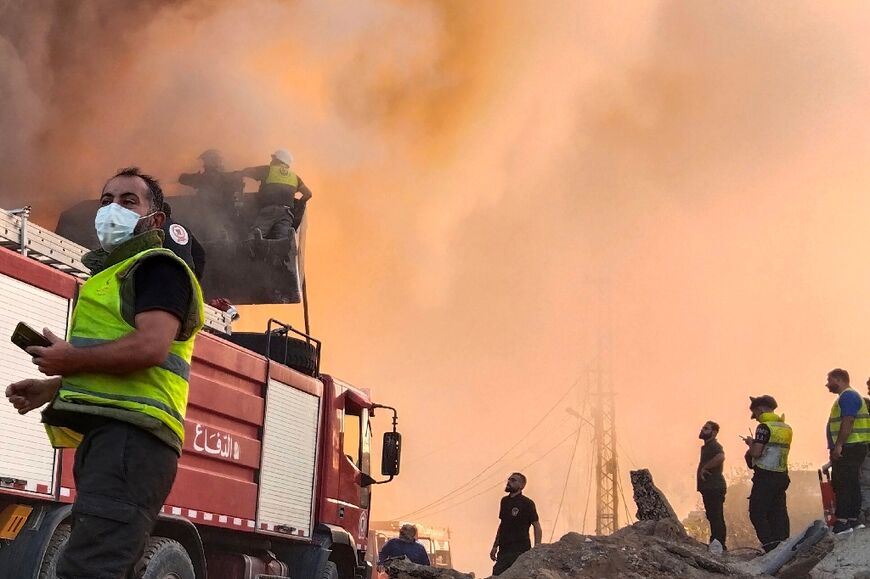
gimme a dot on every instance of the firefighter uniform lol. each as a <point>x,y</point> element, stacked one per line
<point>767,501</point>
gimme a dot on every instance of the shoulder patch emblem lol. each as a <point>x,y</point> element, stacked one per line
<point>178,234</point>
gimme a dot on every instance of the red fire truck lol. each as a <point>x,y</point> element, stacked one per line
<point>274,480</point>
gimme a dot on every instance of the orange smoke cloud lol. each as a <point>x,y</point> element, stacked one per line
<point>474,166</point>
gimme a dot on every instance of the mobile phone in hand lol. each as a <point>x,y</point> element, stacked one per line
<point>24,336</point>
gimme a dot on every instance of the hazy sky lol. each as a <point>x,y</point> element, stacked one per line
<point>476,166</point>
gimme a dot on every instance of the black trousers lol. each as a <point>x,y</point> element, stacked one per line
<point>714,506</point>
<point>845,480</point>
<point>123,475</point>
<point>767,508</point>
<point>504,560</point>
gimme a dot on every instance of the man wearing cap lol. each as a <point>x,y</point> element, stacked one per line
<point>279,209</point>
<point>848,435</point>
<point>767,455</point>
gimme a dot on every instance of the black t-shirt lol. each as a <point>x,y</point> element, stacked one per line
<point>517,514</point>
<point>715,480</point>
<point>162,284</point>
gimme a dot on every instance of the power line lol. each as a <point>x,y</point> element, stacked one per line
<point>539,459</point>
<point>628,516</point>
<point>508,451</point>
<point>588,487</point>
<point>570,465</point>
<point>567,478</point>
<point>493,476</point>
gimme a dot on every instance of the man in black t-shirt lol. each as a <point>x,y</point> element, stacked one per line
<point>711,482</point>
<point>517,514</point>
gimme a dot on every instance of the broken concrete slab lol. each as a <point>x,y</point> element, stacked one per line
<point>850,557</point>
<point>405,569</point>
<point>652,505</point>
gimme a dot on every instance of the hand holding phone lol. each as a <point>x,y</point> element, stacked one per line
<point>24,336</point>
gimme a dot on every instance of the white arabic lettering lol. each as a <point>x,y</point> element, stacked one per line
<point>216,443</point>
<point>196,445</point>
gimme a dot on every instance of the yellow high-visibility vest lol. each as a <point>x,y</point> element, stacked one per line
<point>159,392</point>
<point>281,175</point>
<point>774,457</point>
<point>860,428</point>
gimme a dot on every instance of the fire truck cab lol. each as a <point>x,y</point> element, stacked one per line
<point>274,479</point>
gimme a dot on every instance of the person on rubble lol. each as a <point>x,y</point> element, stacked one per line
<point>711,481</point>
<point>179,239</point>
<point>217,187</point>
<point>405,545</point>
<point>864,477</point>
<point>517,513</point>
<point>117,389</point>
<point>279,209</point>
<point>767,456</point>
<point>848,436</point>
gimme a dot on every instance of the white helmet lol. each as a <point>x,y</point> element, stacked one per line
<point>283,155</point>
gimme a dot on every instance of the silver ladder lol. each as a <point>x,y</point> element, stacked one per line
<point>18,233</point>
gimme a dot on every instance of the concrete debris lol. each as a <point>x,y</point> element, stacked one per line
<point>652,548</point>
<point>405,569</point>
<point>651,502</point>
<point>849,557</point>
<point>796,552</point>
<point>657,546</point>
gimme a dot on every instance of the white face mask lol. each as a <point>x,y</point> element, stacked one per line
<point>115,225</point>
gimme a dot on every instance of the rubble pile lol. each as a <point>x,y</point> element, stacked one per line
<point>645,549</point>
<point>405,569</point>
<point>657,546</point>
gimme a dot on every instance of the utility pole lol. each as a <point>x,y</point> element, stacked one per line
<point>604,416</point>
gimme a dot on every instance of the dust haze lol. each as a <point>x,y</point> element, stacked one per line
<point>477,169</point>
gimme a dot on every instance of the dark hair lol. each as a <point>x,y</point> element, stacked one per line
<point>167,209</point>
<point>713,426</point>
<point>521,476</point>
<point>765,400</point>
<point>840,374</point>
<point>152,183</point>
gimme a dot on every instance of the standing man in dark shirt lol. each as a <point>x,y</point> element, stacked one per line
<point>767,456</point>
<point>517,514</point>
<point>117,390</point>
<point>711,482</point>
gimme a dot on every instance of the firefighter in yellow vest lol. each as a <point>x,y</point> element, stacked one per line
<point>279,210</point>
<point>767,455</point>
<point>848,436</point>
<point>118,385</point>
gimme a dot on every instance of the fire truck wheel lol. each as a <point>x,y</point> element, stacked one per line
<point>330,571</point>
<point>48,569</point>
<point>166,559</point>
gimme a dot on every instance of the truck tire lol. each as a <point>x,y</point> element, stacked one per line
<point>302,357</point>
<point>48,569</point>
<point>330,571</point>
<point>166,559</point>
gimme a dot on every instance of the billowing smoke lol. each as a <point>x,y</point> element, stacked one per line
<point>477,167</point>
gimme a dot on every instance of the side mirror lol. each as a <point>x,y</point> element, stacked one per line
<point>392,454</point>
